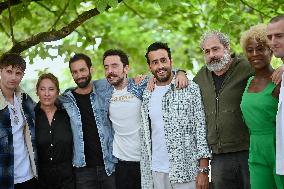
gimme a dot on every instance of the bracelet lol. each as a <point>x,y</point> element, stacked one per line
<point>204,170</point>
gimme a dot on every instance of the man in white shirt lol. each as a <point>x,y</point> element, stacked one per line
<point>174,148</point>
<point>124,112</point>
<point>17,134</point>
<point>123,103</point>
<point>275,34</point>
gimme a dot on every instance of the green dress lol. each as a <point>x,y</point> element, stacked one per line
<point>259,112</point>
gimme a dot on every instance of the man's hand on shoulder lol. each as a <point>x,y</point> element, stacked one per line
<point>181,79</point>
<point>138,79</point>
<point>276,77</point>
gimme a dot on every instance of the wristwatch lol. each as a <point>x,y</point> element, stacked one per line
<point>204,170</point>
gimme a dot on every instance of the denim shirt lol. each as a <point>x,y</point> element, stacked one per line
<point>136,90</point>
<point>6,138</point>
<point>100,99</point>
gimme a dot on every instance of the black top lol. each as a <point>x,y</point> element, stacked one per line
<point>92,145</point>
<point>218,81</point>
<point>54,142</point>
<point>54,147</point>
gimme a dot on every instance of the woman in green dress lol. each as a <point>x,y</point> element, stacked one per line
<point>259,107</point>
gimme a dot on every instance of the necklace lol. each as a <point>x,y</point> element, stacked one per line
<point>15,117</point>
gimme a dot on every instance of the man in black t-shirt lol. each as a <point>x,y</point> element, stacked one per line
<point>92,132</point>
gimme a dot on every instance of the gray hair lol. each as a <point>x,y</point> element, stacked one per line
<point>223,38</point>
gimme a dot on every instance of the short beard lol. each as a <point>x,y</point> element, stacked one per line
<point>165,78</point>
<point>85,83</point>
<point>218,64</point>
<point>117,83</point>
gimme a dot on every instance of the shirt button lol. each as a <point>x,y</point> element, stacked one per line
<point>50,132</point>
<point>51,159</point>
<point>51,144</point>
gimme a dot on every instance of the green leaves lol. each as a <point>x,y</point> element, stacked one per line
<point>134,25</point>
<point>112,3</point>
<point>101,5</point>
<point>164,4</point>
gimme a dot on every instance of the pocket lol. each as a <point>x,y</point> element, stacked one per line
<point>233,128</point>
<point>179,108</point>
<point>211,128</point>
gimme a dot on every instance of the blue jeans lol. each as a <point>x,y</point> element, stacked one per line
<point>93,178</point>
<point>230,170</point>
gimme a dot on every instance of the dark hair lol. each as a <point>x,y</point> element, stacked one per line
<point>156,46</point>
<point>14,60</point>
<point>49,76</point>
<point>116,52</point>
<point>80,56</point>
<point>277,18</point>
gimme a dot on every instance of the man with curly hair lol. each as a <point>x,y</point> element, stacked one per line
<point>222,82</point>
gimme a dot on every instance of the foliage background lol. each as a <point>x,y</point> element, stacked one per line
<point>130,25</point>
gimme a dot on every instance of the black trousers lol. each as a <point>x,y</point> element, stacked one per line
<point>29,184</point>
<point>60,176</point>
<point>127,175</point>
<point>230,170</point>
<point>94,178</point>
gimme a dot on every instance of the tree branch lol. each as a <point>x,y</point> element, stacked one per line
<point>45,7</point>
<point>60,15</point>
<point>54,12</point>
<point>262,13</point>
<point>10,22</point>
<point>5,5</point>
<point>133,10</point>
<point>55,34</point>
<point>84,28</point>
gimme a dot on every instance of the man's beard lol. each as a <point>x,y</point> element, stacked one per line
<point>217,64</point>
<point>119,81</point>
<point>164,78</point>
<point>84,83</point>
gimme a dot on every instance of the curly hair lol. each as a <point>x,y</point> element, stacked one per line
<point>257,32</point>
<point>223,38</point>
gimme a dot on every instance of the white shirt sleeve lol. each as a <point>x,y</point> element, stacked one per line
<point>280,132</point>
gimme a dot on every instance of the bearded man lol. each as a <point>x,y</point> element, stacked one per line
<point>92,131</point>
<point>222,82</point>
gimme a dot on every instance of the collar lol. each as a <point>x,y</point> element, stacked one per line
<point>4,103</point>
<point>57,104</point>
